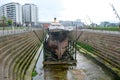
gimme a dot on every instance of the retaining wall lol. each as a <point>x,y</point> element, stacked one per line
<point>17,52</point>
<point>107,47</point>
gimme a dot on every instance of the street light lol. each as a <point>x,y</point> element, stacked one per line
<point>4,18</point>
<point>3,26</point>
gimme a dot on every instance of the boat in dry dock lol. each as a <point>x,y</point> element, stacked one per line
<point>57,45</point>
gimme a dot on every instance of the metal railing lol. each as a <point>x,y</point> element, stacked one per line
<point>15,30</point>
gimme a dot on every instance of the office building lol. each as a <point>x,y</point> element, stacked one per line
<point>30,14</point>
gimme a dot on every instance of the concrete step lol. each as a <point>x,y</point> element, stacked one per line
<point>108,54</point>
<point>8,39</point>
<point>9,48</point>
<point>9,58</point>
<point>28,73</point>
<point>20,60</point>
<point>28,60</point>
<point>16,54</point>
<point>10,43</point>
<point>13,65</point>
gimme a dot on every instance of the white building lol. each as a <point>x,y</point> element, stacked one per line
<point>12,11</point>
<point>77,23</point>
<point>30,14</point>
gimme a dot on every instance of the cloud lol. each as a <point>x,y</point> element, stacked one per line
<point>97,10</point>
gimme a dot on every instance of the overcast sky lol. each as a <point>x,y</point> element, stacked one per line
<point>97,10</point>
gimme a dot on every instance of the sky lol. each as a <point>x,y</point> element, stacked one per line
<point>95,10</point>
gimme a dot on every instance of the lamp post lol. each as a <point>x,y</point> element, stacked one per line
<point>3,26</point>
<point>4,18</point>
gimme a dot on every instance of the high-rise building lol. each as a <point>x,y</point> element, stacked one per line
<point>12,11</point>
<point>30,14</point>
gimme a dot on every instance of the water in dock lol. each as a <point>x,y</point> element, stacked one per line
<point>85,69</point>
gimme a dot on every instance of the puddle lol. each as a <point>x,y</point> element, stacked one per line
<point>85,69</point>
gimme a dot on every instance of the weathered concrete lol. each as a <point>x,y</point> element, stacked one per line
<point>107,47</point>
<point>17,52</point>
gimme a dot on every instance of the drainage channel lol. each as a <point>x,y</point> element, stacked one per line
<point>85,69</point>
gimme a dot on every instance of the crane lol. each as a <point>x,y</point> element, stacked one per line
<point>115,13</point>
<point>91,22</point>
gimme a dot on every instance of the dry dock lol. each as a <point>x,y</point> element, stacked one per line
<point>85,69</point>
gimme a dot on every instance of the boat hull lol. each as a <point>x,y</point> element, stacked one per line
<point>57,43</point>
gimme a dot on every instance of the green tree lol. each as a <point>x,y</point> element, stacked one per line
<point>4,20</point>
<point>9,22</point>
<point>0,24</point>
<point>3,17</point>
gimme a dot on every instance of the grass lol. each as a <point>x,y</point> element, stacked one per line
<point>107,28</point>
<point>34,73</point>
<point>86,47</point>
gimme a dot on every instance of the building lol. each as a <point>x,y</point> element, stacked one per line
<point>66,23</point>
<point>30,14</point>
<point>108,24</point>
<point>12,11</point>
<point>76,23</point>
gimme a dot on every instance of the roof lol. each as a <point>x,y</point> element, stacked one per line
<point>11,3</point>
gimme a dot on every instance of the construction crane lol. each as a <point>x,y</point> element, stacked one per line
<point>115,13</point>
<point>91,21</point>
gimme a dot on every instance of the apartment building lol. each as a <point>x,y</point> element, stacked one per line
<point>12,11</point>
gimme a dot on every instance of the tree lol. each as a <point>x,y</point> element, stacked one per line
<point>4,20</point>
<point>9,22</point>
<point>0,24</point>
<point>3,17</point>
